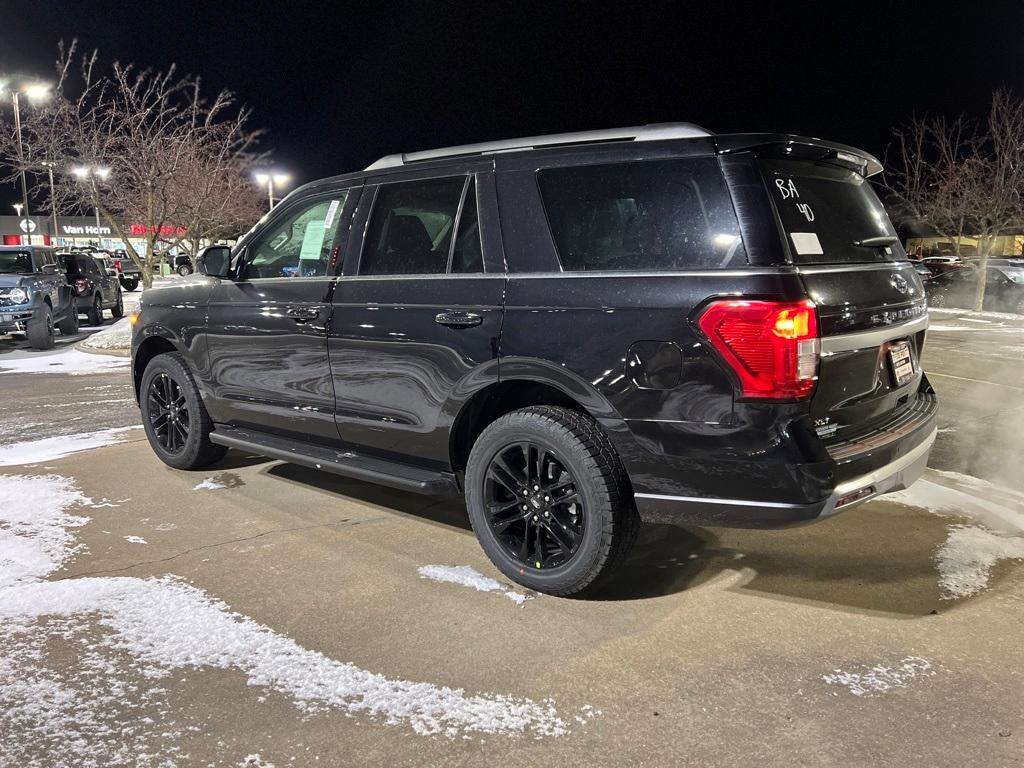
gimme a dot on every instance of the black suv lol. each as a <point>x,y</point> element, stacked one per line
<point>95,282</point>
<point>576,332</point>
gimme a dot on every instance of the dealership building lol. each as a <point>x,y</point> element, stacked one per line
<point>75,231</point>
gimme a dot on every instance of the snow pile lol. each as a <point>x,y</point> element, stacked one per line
<point>135,540</point>
<point>966,559</point>
<point>67,361</point>
<point>878,679</point>
<point>255,761</point>
<point>469,577</point>
<point>53,448</point>
<point>209,484</point>
<point>968,556</point>
<point>117,336</point>
<point>164,624</point>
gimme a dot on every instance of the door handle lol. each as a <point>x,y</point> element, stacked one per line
<point>458,319</point>
<point>302,314</point>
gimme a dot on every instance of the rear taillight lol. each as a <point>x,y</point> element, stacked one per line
<point>117,265</point>
<point>81,286</point>
<point>772,346</point>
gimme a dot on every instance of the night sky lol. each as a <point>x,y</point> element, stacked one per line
<point>336,85</point>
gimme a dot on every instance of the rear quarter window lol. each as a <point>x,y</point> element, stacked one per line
<point>652,215</point>
<point>825,209</point>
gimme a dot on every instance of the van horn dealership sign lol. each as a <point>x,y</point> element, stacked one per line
<point>85,229</point>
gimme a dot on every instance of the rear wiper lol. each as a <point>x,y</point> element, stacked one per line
<point>876,242</point>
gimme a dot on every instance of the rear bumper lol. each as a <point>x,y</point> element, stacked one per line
<point>891,461</point>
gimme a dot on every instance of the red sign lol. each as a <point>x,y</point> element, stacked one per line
<point>167,230</point>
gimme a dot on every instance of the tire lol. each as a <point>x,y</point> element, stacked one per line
<point>118,309</point>
<point>69,325</point>
<point>937,300</point>
<point>129,285</point>
<point>581,465</point>
<point>95,312</point>
<point>184,270</point>
<point>168,373</point>
<point>40,330</point>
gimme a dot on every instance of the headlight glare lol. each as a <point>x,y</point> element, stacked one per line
<point>15,295</point>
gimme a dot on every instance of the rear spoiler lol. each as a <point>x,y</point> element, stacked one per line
<point>782,145</point>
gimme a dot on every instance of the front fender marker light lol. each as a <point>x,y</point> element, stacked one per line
<point>772,346</point>
<point>133,317</point>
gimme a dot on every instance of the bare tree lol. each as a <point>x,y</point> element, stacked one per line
<point>166,151</point>
<point>958,178</point>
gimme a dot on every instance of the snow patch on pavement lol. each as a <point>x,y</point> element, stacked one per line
<point>116,336</point>
<point>965,561</point>
<point>209,484</point>
<point>469,577</point>
<point>67,361</point>
<point>873,680</point>
<point>165,624</point>
<point>135,540</point>
<point>53,448</point>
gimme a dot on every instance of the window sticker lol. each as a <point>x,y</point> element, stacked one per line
<point>312,241</point>
<point>806,243</point>
<point>332,210</point>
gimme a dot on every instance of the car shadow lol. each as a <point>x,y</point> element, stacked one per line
<point>878,558</point>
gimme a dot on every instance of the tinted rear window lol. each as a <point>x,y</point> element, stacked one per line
<point>825,209</point>
<point>660,215</point>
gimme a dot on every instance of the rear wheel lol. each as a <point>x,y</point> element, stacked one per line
<point>40,330</point>
<point>176,422</point>
<point>185,270</point>
<point>549,499</point>
<point>69,325</point>
<point>129,284</point>
<point>95,313</point>
<point>118,308</point>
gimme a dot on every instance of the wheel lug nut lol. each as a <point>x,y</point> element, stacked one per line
<point>525,507</point>
<point>547,498</point>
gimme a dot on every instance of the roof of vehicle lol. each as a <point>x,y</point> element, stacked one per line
<point>724,143</point>
<point>11,248</point>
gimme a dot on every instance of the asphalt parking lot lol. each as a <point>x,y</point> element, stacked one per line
<point>258,613</point>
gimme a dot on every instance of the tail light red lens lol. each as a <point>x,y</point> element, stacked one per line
<point>81,286</point>
<point>117,265</point>
<point>772,346</point>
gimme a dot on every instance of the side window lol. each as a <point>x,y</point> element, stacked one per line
<point>300,245</point>
<point>655,215</point>
<point>467,255</point>
<point>411,227</point>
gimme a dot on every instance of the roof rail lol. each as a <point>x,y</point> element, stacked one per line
<point>654,132</point>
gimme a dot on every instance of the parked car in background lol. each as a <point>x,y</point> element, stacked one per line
<point>574,332</point>
<point>95,283</point>
<point>940,264</point>
<point>183,264</point>
<point>1004,289</point>
<point>34,296</point>
<point>922,270</point>
<point>127,273</point>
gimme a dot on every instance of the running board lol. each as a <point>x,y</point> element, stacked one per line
<point>347,463</point>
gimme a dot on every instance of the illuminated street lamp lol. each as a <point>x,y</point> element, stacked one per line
<point>90,173</point>
<point>34,91</point>
<point>269,180</point>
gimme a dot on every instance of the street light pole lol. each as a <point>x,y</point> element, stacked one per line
<point>53,199</point>
<point>21,162</point>
<point>269,178</point>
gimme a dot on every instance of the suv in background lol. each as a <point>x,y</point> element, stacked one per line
<point>1004,288</point>
<point>129,275</point>
<point>34,296</point>
<point>94,279</point>
<point>575,332</point>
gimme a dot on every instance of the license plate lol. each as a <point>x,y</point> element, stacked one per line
<point>901,362</point>
<point>6,318</point>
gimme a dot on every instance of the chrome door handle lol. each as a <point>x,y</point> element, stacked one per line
<point>302,314</point>
<point>458,319</point>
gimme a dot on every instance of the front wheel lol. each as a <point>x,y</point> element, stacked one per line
<point>176,422</point>
<point>69,325</point>
<point>40,330</point>
<point>549,499</point>
<point>118,308</point>
<point>185,270</point>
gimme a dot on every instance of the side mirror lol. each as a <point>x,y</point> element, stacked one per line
<point>50,269</point>
<point>215,261</point>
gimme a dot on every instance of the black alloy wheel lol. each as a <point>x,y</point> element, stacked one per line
<point>533,506</point>
<point>168,413</point>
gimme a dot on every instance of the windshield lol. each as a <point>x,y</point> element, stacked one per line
<point>1014,273</point>
<point>826,209</point>
<point>16,263</point>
